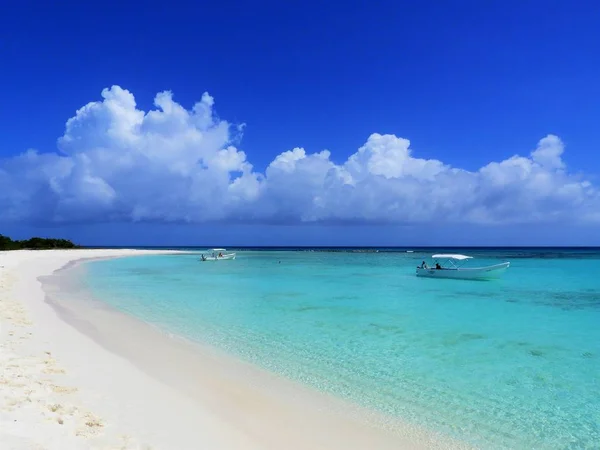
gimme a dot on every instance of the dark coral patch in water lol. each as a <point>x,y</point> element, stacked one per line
<point>280,295</point>
<point>572,300</point>
<point>456,339</point>
<point>471,336</point>
<point>375,328</point>
<point>344,297</point>
<point>309,308</point>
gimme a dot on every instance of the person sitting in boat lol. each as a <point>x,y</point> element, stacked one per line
<point>424,265</point>
<point>437,266</point>
<point>220,255</point>
<point>203,257</point>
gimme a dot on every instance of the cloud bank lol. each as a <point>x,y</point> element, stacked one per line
<point>118,163</point>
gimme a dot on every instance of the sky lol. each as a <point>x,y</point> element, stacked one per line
<point>301,123</point>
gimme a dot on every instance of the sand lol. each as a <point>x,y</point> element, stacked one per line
<point>79,375</point>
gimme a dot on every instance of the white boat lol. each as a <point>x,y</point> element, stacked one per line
<point>218,254</point>
<point>450,266</point>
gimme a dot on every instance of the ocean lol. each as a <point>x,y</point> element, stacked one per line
<point>508,363</point>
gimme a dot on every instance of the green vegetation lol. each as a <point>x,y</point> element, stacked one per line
<point>35,243</point>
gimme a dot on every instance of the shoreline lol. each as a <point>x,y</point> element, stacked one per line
<point>115,360</point>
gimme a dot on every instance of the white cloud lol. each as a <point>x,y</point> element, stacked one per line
<point>116,162</point>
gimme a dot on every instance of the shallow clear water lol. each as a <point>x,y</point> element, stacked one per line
<point>511,363</point>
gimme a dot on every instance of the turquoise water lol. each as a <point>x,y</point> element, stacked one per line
<point>511,363</point>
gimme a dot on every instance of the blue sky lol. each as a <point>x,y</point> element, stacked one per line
<point>468,83</point>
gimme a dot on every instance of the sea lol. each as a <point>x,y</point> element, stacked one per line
<point>512,363</point>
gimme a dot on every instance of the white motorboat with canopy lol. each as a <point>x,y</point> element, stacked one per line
<point>218,254</point>
<point>451,266</point>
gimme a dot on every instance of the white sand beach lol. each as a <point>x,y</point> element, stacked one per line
<point>92,378</point>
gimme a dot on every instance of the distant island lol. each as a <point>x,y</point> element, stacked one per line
<point>35,243</point>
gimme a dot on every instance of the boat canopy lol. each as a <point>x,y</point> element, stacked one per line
<point>457,257</point>
<point>218,249</point>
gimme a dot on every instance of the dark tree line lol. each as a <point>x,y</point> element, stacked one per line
<point>35,243</point>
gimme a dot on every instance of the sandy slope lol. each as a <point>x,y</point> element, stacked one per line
<point>96,379</point>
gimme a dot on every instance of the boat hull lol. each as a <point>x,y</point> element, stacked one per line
<point>474,273</point>
<point>226,257</point>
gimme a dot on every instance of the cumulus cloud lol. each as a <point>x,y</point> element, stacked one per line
<point>171,164</point>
